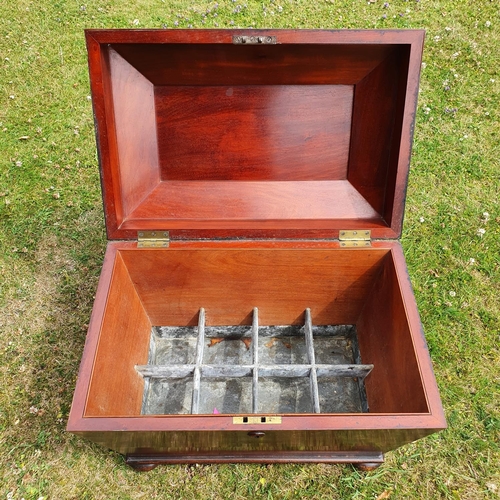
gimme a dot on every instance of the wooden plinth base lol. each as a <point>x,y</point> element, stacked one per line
<point>363,460</point>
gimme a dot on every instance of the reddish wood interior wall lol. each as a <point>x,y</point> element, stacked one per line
<point>343,286</point>
<point>174,284</point>
<point>116,388</point>
<point>395,384</point>
<point>372,132</point>
<point>206,113</point>
<point>258,205</point>
<point>392,208</point>
<point>135,129</point>
<point>227,64</point>
<point>259,132</point>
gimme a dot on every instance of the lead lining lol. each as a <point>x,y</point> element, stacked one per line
<point>311,370</point>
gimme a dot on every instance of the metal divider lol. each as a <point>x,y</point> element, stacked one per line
<point>195,405</point>
<point>310,354</point>
<point>255,351</point>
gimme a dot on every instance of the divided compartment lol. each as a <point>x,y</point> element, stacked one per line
<point>195,364</point>
<point>241,370</point>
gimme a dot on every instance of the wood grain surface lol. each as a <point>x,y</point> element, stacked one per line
<point>135,129</point>
<point>253,204</point>
<point>115,387</point>
<point>191,63</point>
<point>317,106</point>
<point>385,338</point>
<point>228,284</point>
<point>259,132</point>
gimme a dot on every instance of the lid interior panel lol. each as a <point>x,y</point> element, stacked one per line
<point>294,136</point>
<point>254,132</point>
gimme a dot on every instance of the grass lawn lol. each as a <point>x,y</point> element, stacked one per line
<point>52,241</point>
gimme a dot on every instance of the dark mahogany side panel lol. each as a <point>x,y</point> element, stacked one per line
<point>135,129</point>
<point>220,442</point>
<point>173,284</point>
<point>107,149</point>
<point>115,387</point>
<point>370,459</point>
<point>385,340</point>
<point>261,132</point>
<point>228,64</point>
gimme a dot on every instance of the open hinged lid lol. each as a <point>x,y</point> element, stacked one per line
<point>250,133</point>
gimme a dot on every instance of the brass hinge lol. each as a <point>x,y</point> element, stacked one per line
<point>153,239</point>
<point>355,238</point>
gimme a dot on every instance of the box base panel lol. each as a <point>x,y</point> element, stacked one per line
<point>362,460</point>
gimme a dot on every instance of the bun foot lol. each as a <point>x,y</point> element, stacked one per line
<point>141,466</point>
<point>367,466</point>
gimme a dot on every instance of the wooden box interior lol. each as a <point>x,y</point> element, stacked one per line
<point>222,138</point>
<point>168,287</point>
